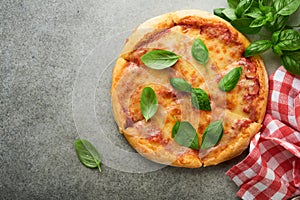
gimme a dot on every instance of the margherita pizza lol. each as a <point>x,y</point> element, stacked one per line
<point>182,92</point>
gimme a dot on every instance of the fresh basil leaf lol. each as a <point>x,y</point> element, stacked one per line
<point>266,2</point>
<point>291,62</point>
<point>229,81</point>
<point>275,37</point>
<point>259,22</point>
<point>277,50</point>
<point>200,99</point>
<point>242,7</point>
<point>185,134</point>
<point>87,154</point>
<point>218,12</point>
<point>254,13</point>
<point>181,85</point>
<point>288,40</point>
<point>229,13</point>
<point>257,47</point>
<point>200,51</point>
<point>265,9</point>
<point>278,23</point>
<point>159,59</point>
<point>148,103</point>
<point>212,135</point>
<point>233,3</point>
<point>243,24</point>
<point>286,7</point>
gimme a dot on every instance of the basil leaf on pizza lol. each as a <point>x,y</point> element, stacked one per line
<point>148,103</point>
<point>159,59</point>
<point>185,134</point>
<point>87,154</point>
<point>229,81</point>
<point>200,99</point>
<point>212,134</point>
<point>200,51</point>
<point>181,85</point>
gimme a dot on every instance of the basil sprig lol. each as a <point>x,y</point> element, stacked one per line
<point>185,134</point>
<point>285,44</point>
<point>87,154</point>
<point>199,97</point>
<point>200,51</point>
<point>212,135</point>
<point>159,59</point>
<point>148,103</point>
<point>229,81</point>
<point>250,16</point>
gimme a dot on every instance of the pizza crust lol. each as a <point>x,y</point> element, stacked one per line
<point>161,147</point>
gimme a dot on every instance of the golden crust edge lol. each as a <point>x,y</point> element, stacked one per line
<point>159,154</point>
<point>235,148</point>
<point>168,20</point>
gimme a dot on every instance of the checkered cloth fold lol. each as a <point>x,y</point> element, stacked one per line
<point>272,168</point>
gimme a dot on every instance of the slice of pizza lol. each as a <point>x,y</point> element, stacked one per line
<point>220,101</point>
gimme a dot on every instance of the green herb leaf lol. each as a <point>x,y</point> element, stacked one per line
<point>257,47</point>
<point>233,3</point>
<point>258,22</point>
<point>148,103</point>
<point>286,7</point>
<point>229,13</point>
<point>243,25</point>
<point>212,135</point>
<point>200,99</point>
<point>288,40</point>
<point>291,62</point>
<point>185,134</point>
<point>181,85</point>
<point>229,81</point>
<point>219,12</point>
<point>255,13</point>
<point>278,23</point>
<point>242,7</point>
<point>200,52</point>
<point>275,37</point>
<point>266,2</point>
<point>159,59</point>
<point>87,154</point>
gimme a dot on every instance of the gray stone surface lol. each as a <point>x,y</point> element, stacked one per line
<point>42,46</point>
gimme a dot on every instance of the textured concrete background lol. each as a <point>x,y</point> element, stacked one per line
<point>43,43</point>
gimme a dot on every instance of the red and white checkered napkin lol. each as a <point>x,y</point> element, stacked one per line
<point>272,168</point>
